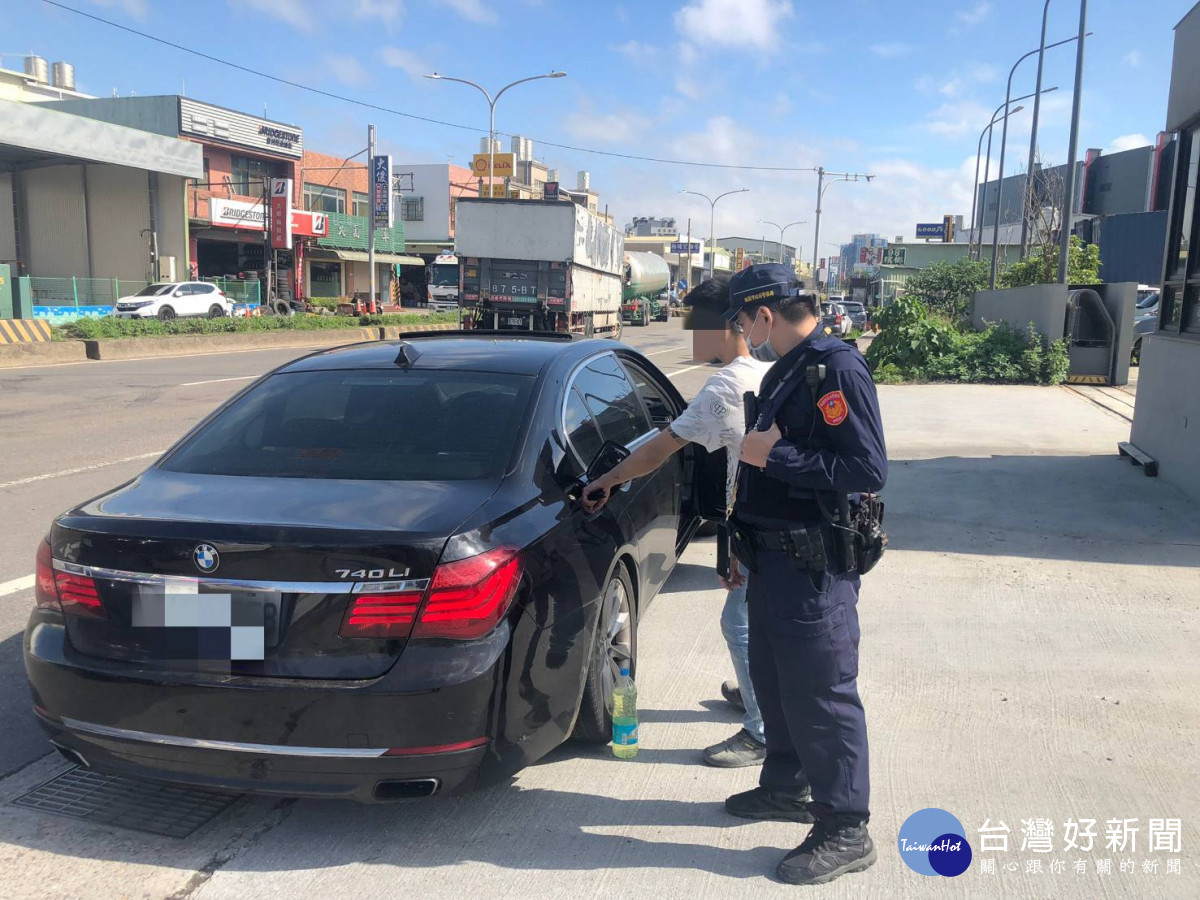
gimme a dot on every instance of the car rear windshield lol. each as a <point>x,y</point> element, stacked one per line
<point>364,425</point>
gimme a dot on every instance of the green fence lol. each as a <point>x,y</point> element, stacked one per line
<point>238,291</point>
<point>75,291</point>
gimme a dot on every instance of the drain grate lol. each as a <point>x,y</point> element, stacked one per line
<point>149,806</point>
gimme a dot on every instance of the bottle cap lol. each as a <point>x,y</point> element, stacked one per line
<point>624,670</point>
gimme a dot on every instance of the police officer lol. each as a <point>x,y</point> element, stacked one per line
<point>815,443</point>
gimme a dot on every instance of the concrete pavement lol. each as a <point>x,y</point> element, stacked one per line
<point>1028,651</point>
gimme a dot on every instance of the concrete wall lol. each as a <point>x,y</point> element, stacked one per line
<point>54,222</point>
<point>171,221</point>
<point>159,115</point>
<point>1043,304</point>
<point>432,183</point>
<point>1120,183</point>
<point>8,235</point>
<point>118,211</point>
<point>1166,420</point>
<point>1131,246</point>
<point>1184,99</point>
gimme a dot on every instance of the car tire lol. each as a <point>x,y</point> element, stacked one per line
<point>615,638</point>
<point>166,314</point>
<point>216,311</point>
<point>283,308</point>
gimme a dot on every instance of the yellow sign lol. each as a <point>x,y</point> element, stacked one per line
<point>505,165</point>
<point>496,190</point>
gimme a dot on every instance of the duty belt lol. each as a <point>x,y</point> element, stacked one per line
<point>806,547</point>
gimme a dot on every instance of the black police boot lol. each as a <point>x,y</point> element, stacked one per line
<point>829,851</point>
<point>774,806</point>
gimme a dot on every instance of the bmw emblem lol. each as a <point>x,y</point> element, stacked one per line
<point>206,558</point>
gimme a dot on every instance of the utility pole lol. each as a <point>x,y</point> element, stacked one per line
<point>1037,107</point>
<point>689,242</point>
<point>712,222</point>
<point>1064,250</point>
<point>821,188</point>
<point>371,219</point>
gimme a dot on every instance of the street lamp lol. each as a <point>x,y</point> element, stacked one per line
<point>987,129</point>
<point>712,222</point>
<point>782,229</point>
<point>821,189</point>
<point>1003,142</point>
<point>492,111</point>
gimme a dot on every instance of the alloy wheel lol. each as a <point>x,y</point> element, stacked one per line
<point>618,637</point>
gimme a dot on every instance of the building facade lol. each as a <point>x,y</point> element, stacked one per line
<point>39,81</point>
<point>85,204</point>
<point>649,226</point>
<point>1167,409</point>
<point>760,249</point>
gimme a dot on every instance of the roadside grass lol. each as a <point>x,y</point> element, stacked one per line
<point>110,327</point>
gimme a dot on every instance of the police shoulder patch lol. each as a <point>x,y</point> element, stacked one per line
<point>834,408</point>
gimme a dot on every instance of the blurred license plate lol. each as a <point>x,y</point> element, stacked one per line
<point>515,320</point>
<point>181,623</point>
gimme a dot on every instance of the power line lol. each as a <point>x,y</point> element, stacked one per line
<point>396,112</point>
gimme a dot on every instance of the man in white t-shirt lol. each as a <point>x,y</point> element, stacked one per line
<point>713,419</point>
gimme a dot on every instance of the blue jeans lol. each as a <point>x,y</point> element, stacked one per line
<point>735,625</point>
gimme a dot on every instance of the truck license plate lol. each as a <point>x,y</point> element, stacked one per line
<point>515,320</point>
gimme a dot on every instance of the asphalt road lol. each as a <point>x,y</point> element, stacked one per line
<point>73,431</point>
<point>1028,650</point>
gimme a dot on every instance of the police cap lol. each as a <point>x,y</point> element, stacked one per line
<point>759,285</point>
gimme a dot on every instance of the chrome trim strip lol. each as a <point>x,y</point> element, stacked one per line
<point>391,587</point>
<point>168,740</point>
<point>281,587</point>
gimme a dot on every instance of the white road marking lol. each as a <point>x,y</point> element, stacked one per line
<point>76,471</point>
<point>17,584</point>
<point>670,350</point>
<point>669,375</point>
<point>218,380</point>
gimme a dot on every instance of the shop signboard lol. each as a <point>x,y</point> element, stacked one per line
<point>281,213</point>
<point>381,191</point>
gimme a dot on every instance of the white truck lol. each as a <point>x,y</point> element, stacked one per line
<point>538,265</point>
<point>443,282</point>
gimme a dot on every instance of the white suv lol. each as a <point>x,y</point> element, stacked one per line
<point>166,301</point>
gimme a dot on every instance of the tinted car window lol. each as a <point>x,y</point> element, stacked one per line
<point>656,401</point>
<point>612,400</point>
<point>364,425</point>
<point>202,288</point>
<point>582,432</point>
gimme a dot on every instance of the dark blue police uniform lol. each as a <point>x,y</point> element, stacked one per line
<point>804,630</point>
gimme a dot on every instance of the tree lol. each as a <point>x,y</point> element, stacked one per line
<point>1041,266</point>
<point>947,288</point>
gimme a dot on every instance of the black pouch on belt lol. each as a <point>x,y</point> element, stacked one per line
<point>741,540</point>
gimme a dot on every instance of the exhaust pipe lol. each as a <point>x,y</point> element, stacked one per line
<point>410,789</point>
<point>72,756</point>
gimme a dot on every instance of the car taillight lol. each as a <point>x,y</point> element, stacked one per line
<point>468,598</point>
<point>381,615</point>
<point>72,594</point>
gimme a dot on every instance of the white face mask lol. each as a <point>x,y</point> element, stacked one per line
<point>763,352</point>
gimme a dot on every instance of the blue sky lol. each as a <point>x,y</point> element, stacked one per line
<point>898,88</point>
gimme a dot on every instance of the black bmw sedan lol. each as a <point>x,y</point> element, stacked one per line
<point>365,575</point>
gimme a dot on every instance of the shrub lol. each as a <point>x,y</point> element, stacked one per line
<point>1041,266</point>
<point>916,346</point>
<point>108,327</point>
<point>947,288</point>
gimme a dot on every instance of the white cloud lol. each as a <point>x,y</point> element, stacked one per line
<point>293,12</point>
<point>975,14</point>
<point>782,103</point>
<point>957,117</point>
<point>1133,58</point>
<point>387,11</point>
<point>745,24</point>
<point>636,50</point>
<point>618,127</point>
<point>983,73</point>
<point>398,58</point>
<point>688,88</point>
<point>622,15</point>
<point>135,8</point>
<point>891,49</point>
<point>1128,142</point>
<point>472,10</point>
<point>346,69</point>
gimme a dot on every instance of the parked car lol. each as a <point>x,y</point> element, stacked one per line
<point>167,300</point>
<point>835,317</point>
<point>366,574</point>
<point>857,313</point>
